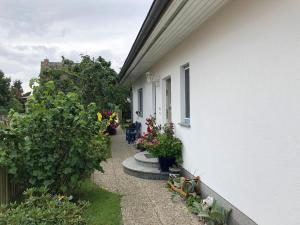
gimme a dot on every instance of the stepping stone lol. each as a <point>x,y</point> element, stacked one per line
<point>144,167</point>
<point>143,159</point>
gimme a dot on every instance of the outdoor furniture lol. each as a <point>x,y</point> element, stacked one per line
<point>133,132</point>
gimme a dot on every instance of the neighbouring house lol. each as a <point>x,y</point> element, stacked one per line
<point>53,65</point>
<point>227,74</point>
<point>47,65</point>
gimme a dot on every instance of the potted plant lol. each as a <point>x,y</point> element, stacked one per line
<point>166,147</point>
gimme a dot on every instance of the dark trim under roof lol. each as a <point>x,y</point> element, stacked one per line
<point>156,11</point>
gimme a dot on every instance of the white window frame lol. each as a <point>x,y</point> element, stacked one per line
<point>185,100</point>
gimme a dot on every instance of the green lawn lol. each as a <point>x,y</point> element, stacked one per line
<point>104,208</point>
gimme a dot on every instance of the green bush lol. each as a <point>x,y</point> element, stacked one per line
<point>56,143</point>
<point>40,207</point>
<point>16,105</point>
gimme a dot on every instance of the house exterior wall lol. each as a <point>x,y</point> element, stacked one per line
<point>244,139</point>
<point>147,100</point>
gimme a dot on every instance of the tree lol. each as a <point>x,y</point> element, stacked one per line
<point>17,89</point>
<point>92,79</point>
<point>5,94</point>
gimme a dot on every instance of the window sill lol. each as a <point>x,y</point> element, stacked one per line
<point>184,124</point>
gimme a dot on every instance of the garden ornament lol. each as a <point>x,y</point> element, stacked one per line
<point>207,202</point>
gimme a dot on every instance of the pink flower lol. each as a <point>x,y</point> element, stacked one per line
<point>154,141</point>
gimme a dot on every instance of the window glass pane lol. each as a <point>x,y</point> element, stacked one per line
<point>187,92</point>
<point>141,110</point>
<point>140,100</point>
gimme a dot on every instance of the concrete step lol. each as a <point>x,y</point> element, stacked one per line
<point>133,168</point>
<point>145,161</point>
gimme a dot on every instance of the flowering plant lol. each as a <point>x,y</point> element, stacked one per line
<point>111,120</point>
<point>168,129</point>
<point>149,137</point>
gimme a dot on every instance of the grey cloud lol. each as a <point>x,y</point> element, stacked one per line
<point>26,54</point>
<point>31,30</point>
<point>37,17</point>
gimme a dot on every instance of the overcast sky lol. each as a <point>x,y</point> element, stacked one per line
<point>31,30</point>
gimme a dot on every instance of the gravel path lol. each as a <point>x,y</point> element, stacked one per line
<point>144,202</point>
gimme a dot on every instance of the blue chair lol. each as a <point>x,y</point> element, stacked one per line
<point>133,132</point>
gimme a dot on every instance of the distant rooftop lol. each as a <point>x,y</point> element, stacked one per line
<point>47,64</point>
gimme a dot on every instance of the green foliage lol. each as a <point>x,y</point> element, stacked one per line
<point>16,105</point>
<point>16,89</point>
<point>190,203</point>
<point>5,94</point>
<point>104,207</point>
<point>215,215</point>
<point>40,207</point>
<point>56,143</point>
<point>92,79</point>
<point>189,186</point>
<point>166,146</point>
<point>13,104</point>
<point>10,96</point>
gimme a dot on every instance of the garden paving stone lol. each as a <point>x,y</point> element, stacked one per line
<point>144,202</point>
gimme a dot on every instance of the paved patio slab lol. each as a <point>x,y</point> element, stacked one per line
<point>144,202</point>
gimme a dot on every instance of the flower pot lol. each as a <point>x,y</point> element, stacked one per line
<point>166,162</point>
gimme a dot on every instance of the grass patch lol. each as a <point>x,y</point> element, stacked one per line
<point>104,208</point>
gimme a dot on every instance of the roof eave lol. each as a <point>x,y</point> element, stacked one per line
<point>156,11</point>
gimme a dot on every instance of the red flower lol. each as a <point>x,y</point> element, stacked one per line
<point>149,130</point>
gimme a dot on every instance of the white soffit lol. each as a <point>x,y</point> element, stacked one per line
<point>178,22</point>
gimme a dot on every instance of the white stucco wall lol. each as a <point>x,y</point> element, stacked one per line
<point>147,100</point>
<point>244,139</point>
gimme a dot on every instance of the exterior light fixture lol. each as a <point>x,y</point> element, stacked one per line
<point>149,77</point>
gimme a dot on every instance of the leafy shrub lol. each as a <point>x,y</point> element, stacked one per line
<point>56,143</point>
<point>16,105</point>
<point>40,207</point>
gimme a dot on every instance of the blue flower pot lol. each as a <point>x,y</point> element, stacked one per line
<point>166,162</point>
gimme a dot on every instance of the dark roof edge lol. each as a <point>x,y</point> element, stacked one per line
<point>156,11</point>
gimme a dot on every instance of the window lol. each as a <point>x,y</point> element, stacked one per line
<point>140,101</point>
<point>185,94</point>
<point>187,91</point>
